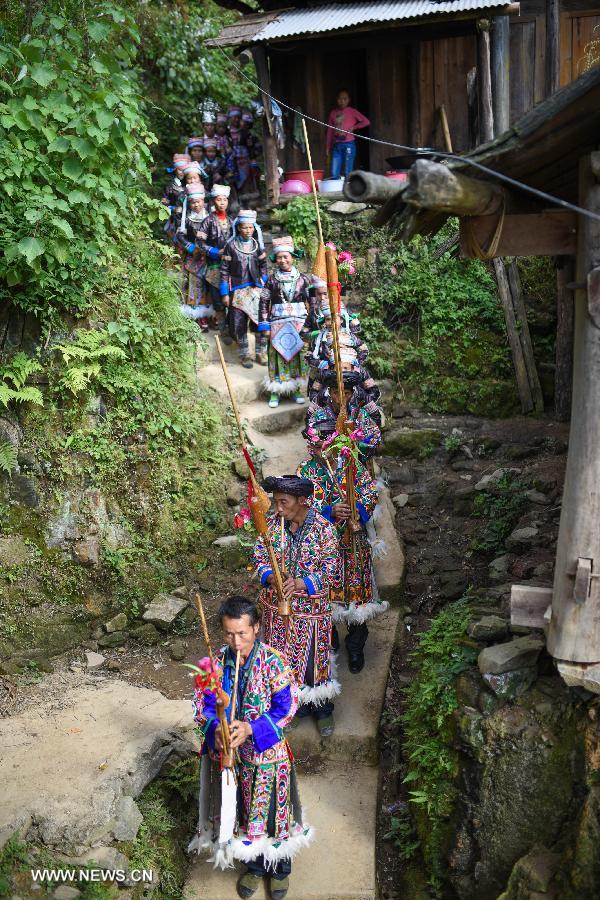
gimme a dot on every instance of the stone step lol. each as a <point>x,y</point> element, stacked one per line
<point>358,708</point>
<point>267,421</point>
<point>340,863</point>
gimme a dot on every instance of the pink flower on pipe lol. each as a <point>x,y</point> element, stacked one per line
<point>345,256</point>
<point>357,435</point>
<point>345,452</point>
<point>331,246</point>
<point>313,434</point>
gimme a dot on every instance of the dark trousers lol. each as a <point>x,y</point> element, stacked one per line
<point>323,711</point>
<point>356,638</point>
<point>278,873</point>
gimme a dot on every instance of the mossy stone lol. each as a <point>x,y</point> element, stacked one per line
<point>412,444</point>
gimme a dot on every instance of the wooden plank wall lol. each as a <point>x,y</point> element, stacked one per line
<point>576,32</point>
<point>388,85</point>
<point>444,67</point>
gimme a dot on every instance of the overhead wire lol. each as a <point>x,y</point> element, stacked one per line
<point>423,151</point>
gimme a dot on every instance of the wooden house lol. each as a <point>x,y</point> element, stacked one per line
<point>404,60</point>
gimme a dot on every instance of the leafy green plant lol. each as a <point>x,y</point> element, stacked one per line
<point>13,376</point>
<point>499,506</point>
<point>430,701</point>
<point>8,457</point>
<point>83,357</point>
<point>299,219</point>
<point>74,156</point>
<point>402,834</point>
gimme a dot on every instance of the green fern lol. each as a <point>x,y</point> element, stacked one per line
<point>84,356</point>
<point>12,381</point>
<point>8,457</point>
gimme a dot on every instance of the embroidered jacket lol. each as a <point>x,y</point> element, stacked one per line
<point>214,234</point>
<point>240,270</point>
<point>273,293</point>
<point>329,491</point>
<point>314,556</point>
<point>174,193</point>
<point>267,700</point>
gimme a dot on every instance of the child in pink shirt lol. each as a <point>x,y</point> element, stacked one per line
<point>342,146</point>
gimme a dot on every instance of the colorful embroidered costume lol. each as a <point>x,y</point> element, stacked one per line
<point>243,274</point>
<point>354,601</point>
<point>312,553</point>
<point>216,230</point>
<point>269,815</point>
<point>284,306</point>
<point>322,408</point>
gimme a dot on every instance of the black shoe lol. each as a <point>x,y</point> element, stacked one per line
<point>356,662</point>
<point>335,639</point>
<point>226,339</point>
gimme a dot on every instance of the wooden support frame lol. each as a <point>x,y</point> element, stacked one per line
<point>552,46</point>
<point>550,233</point>
<point>517,329</point>
<point>269,143</point>
<point>574,632</point>
<point>565,313</point>
<point>484,82</point>
<point>500,69</point>
<point>529,605</point>
<point>435,186</point>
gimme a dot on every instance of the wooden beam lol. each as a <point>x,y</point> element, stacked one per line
<point>574,633</point>
<point>269,142</point>
<point>552,46</point>
<point>484,82</point>
<point>565,308</point>
<point>366,187</point>
<point>551,233</point>
<point>512,330</point>
<point>528,605</point>
<point>435,186</point>
<point>500,65</point>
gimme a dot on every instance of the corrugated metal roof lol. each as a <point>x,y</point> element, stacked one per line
<point>275,26</point>
<point>336,16</point>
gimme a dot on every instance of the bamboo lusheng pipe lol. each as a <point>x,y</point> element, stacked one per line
<point>314,186</point>
<point>259,502</point>
<point>222,700</point>
<point>230,759</point>
<point>334,309</point>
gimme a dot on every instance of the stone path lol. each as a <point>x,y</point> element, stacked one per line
<point>339,777</point>
<point>70,765</point>
<point>76,756</point>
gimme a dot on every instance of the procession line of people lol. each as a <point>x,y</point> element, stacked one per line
<point>316,557</point>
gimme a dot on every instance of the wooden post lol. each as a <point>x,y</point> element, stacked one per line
<point>484,82</point>
<point>552,46</point>
<point>436,186</point>
<point>269,142</point>
<point>473,112</point>
<point>500,63</point>
<point>514,281</point>
<point>414,94</point>
<point>565,312</point>
<point>574,632</point>
<point>512,330</point>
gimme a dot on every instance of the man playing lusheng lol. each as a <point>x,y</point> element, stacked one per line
<point>354,602</point>
<point>270,830</point>
<point>312,569</point>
